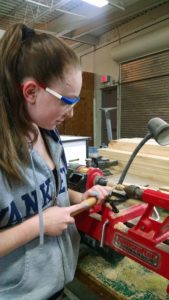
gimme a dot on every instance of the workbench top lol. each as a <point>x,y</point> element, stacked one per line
<point>122,280</point>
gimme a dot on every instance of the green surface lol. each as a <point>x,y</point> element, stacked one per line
<point>127,278</point>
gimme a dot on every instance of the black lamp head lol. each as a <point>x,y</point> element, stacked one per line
<point>159,130</point>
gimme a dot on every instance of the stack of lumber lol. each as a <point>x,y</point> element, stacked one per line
<point>151,162</point>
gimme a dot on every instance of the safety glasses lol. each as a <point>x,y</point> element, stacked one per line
<point>66,100</point>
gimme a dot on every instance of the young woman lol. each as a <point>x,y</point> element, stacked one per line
<point>40,82</point>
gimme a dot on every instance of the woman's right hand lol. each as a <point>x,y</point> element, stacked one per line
<point>56,219</point>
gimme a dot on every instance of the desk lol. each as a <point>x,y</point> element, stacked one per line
<point>76,148</point>
<point>123,280</point>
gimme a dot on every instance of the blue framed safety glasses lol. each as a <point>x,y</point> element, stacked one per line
<point>66,100</point>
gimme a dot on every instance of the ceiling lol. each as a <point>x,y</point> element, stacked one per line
<point>75,21</point>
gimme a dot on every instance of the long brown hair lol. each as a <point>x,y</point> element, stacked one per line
<point>40,56</point>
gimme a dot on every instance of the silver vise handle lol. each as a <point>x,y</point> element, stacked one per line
<point>156,214</point>
<point>103,232</point>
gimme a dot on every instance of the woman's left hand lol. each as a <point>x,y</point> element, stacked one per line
<point>98,191</point>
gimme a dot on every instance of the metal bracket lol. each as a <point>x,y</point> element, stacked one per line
<point>103,232</point>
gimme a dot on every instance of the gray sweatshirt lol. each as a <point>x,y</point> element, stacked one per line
<point>37,271</point>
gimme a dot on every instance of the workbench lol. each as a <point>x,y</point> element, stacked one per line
<point>124,279</point>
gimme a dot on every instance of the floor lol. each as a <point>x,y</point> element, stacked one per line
<point>78,291</point>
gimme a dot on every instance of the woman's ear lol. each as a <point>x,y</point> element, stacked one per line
<point>30,89</point>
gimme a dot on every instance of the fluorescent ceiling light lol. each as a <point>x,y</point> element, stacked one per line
<point>38,3</point>
<point>98,3</point>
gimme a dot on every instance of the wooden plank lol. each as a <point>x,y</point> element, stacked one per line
<point>151,147</point>
<point>149,165</point>
<point>141,159</point>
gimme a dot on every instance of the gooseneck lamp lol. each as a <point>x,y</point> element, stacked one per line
<point>157,129</point>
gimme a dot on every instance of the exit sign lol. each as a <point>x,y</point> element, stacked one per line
<point>105,78</point>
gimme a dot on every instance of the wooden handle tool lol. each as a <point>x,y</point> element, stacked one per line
<point>86,205</point>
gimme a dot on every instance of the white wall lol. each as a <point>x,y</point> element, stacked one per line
<point>147,33</point>
<point>149,42</point>
<point>106,59</point>
<point>122,40</point>
<point>100,62</point>
<point>141,36</point>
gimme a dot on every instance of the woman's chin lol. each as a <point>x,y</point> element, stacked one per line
<point>59,122</point>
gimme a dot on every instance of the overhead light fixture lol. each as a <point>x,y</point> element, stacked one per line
<point>98,3</point>
<point>38,3</point>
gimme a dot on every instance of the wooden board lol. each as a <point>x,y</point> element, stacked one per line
<point>151,147</point>
<point>151,162</point>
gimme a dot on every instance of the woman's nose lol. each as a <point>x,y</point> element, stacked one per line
<point>69,112</point>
